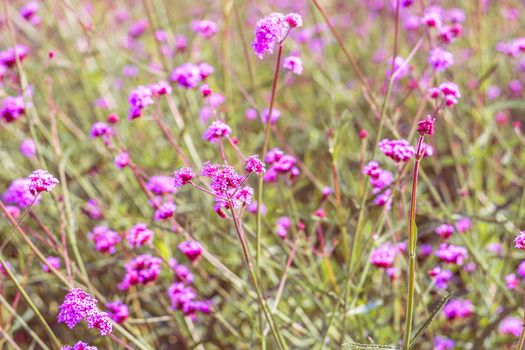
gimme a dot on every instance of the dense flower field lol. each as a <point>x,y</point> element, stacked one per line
<point>281,174</point>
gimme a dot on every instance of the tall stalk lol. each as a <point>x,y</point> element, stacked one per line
<point>412,234</point>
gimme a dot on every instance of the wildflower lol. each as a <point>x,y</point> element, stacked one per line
<point>105,239</point>
<point>452,254</point>
<point>383,256</point>
<point>41,181</point>
<point>363,134</point>
<point>141,270</point>
<point>139,99</point>
<point>443,343</point>
<point>442,278</point>
<point>269,31</point>
<point>444,231</point>
<point>205,70</point>
<point>426,126</point>
<point>512,281</point>
<point>28,148</point>
<point>79,305</point>
<point>463,225</point>
<point>294,20</point>
<point>372,169</point>
<point>112,118</point>
<point>29,10</point>
<point>495,248</point>
<point>252,208</point>
<point>205,90</point>
<point>425,250</point>
<point>191,249</point>
<point>253,164</point>
<point>384,199</point>
<point>118,311</point>
<point>282,225</point>
<point>440,59</point>
<point>384,180</point>
<point>160,185</point>
<point>12,108</point>
<point>434,92</point>
<point>273,155</point>
<point>519,241</point>
<point>161,88</point>
<point>8,57</point>
<point>54,261</point>
<point>122,160</point>
<point>457,309</point>
<point>285,163</point>
<point>79,346</point>
<point>100,129</point>
<point>139,235</point>
<point>12,210</point>
<point>216,131</point>
<point>521,269</point>
<point>92,209</point>
<point>138,28</point>
<point>250,114</point>
<point>432,18</point>
<point>187,75</point>
<point>450,89</point>
<point>400,69</point>
<point>398,150</point>
<point>165,211</point>
<point>183,274</point>
<point>511,326</point>
<point>204,28</point>
<point>276,114</point>
<point>18,193</point>
<point>294,64</point>
<point>183,176</point>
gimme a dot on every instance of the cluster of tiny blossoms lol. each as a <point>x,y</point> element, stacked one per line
<point>280,164</point>
<point>79,305</point>
<point>272,30</point>
<point>380,180</point>
<point>143,96</point>
<point>140,270</point>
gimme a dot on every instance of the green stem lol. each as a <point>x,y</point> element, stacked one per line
<point>521,342</point>
<point>412,250</point>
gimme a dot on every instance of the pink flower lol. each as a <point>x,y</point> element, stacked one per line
<point>294,20</point>
<point>139,99</point>
<point>204,28</point>
<point>269,31</point>
<point>161,88</point>
<point>512,281</point>
<point>105,239</point>
<point>183,176</point>
<point>452,254</point>
<point>191,249</point>
<point>141,270</point>
<point>276,114</point>
<point>54,261</point>
<point>282,225</point>
<point>8,57</point>
<point>12,108</point>
<point>79,346</point>
<point>426,126</point>
<point>139,235</point>
<point>440,59</point>
<point>41,181</point>
<point>463,225</point>
<point>216,131</point>
<point>28,148</point>
<point>294,64</point>
<point>519,241</point>
<point>138,28</point>
<point>511,326</point>
<point>18,193</point>
<point>187,75</point>
<point>122,160</point>
<point>457,309</point>
<point>398,150</point>
<point>165,211</point>
<point>118,311</point>
<point>383,256</point>
<point>161,185</point>
<point>253,164</point>
<point>100,129</point>
<point>442,343</point>
<point>372,169</point>
<point>444,231</point>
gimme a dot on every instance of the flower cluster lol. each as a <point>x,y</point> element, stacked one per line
<point>449,91</point>
<point>18,193</point>
<point>182,177</point>
<point>397,150</point>
<point>513,47</point>
<point>183,298</point>
<point>282,226</point>
<point>294,64</point>
<point>441,277</point>
<point>12,108</point>
<point>9,56</point>
<point>100,129</point>
<point>272,30</point>
<point>443,343</point>
<point>216,131</point>
<point>28,148</point>
<point>457,309</point>
<point>105,239</point>
<point>139,235</point>
<point>380,180</point>
<point>452,254</point>
<point>165,211</point>
<point>54,261</point>
<point>384,255</point>
<point>139,99</point>
<point>189,75</point>
<point>280,164</point>
<point>204,28</point>
<point>226,185</point>
<point>255,165</point>
<point>79,305</point>
<point>519,241</point>
<point>440,59</point>
<point>79,346</point>
<point>191,249</point>
<point>511,326</point>
<point>161,185</point>
<point>141,270</point>
<point>41,181</point>
<point>118,311</point>
<point>444,230</point>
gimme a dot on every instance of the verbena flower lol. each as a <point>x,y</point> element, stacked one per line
<point>511,326</point>
<point>139,99</point>
<point>271,30</point>
<point>452,254</point>
<point>187,75</point>
<point>161,185</point>
<point>276,114</point>
<point>204,28</point>
<point>182,177</point>
<point>512,281</point>
<point>8,57</point>
<point>444,230</point>
<point>519,241</point>
<point>216,131</point>
<point>191,249</point>
<point>138,28</point>
<point>397,150</point>
<point>463,225</point>
<point>105,239</point>
<point>139,235</point>
<point>54,261</point>
<point>384,255</point>
<point>28,148</point>
<point>426,126</point>
<point>41,181</point>
<point>253,164</point>
<point>79,346</point>
<point>294,64</point>
<point>282,226</point>
<point>100,129</point>
<point>118,311</point>
<point>18,193</point>
<point>457,309</point>
<point>440,59</point>
<point>122,160</point>
<point>443,343</point>
<point>165,211</point>
<point>13,107</point>
<point>140,270</point>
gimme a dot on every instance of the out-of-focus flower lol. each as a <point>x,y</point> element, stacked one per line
<point>54,261</point>
<point>216,131</point>
<point>139,235</point>
<point>398,150</point>
<point>79,346</point>
<point>511,326</point>
<point>105,239</point>
<point>384,255</point>
<point>141,270</point>
<point>13,107</point>
<point>28,148</point>
<point>444,231</point>
<point>452,254</point>
<point>18,193</point>
<point>294,64</point>
<point>457,309</point>
<point>118,311</point>
<point>442,343</point>
<point>440,59</point>
<point>41,181</point>
<point>204,28</point>
<point>191,249</point>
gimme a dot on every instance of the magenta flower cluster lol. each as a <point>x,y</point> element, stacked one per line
<point>105,239</point>
<point>139,235</point>
<point>79,346</point>
<point>272,30</point>
<point>397,150</point>
<point>140,270</point>
<point>280,164</point>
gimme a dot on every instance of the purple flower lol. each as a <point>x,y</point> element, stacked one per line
<point>105,239</point>
<point>100,129</point>
<point>440,59</point>
<point>250,114</point>
<point>463,225</point>
<point>18,193</point>
<point>426,126</point>
<point>384,180</point>
<point>139,99</point>
<point>398,150</point>
<point>187,75</point>
<point>140,270</point>
<point>216,131</point>
<point>204,28</point>
<point>294,64</point>
<point>519,241</point>
<point>252,208</point>
<point>165,211</point>
<point>122,160</point>
<point>54,261</point>
<point>138,28</point>
<point>444,231</point>
<point>28,148</point>
<point>372,169</point>
<point>139,235</point>
<point>269,31</point>
<point>521,269</point>
<point>12,108</point>
<point>457,309</point>
<point>282,226</point>
<point>79,346</point>
<point>452,254</point>
<point>253,164</point>
<point>442,278</point>
<point>442,343</point>
<point>191,249</point>
<point>511,326</point>
<point>79,305</point>
<point>276,114</point>
<point>41,181</point>
<point>8,57</point>
<point>182,177</point>
<point>183,274</point>
<point>512,281</point>
<point>161,185</point>
<point>384,255</point>
<point>29,10</point>
<point>161,88</point>
<point>118,311</point>
<point>92,209</point>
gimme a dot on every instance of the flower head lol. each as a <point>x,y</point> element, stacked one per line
<point>269,31</point>
<point>440,59</point>
<point>139,99</point>
<point>204,28</point>
<point>457,308</point>
<point>165,211</point>
<point>139,235</point>
<point>105,239</point>
<point>452,254</point>
<point>79,346</point>
<point>519,241</point>
<point>118,311</point>
<point>183,176</point>
<point>18,193</point>
<point>444,230</point>
<point>511,326</point>
<point>54,261</point>
<point>294,64</point>
<point>442,343</point>
<point>426,126</point>
<point>12,108</point>
<point>141,270</point>
<point>398,150</point>
<point>384,255</point>
<point>191,249</point>
<point>187,75</point>
<point>253,164</point>
<point>100,129</point>
<point>28,148</point>
<point>41,181</point>
<point>216,131</point>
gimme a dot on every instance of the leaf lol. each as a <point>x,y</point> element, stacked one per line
<point>368,346</point>
<point>429,320</point>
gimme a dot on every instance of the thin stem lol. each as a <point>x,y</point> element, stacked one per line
<point>521,342</point>
<point>412,249</point>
